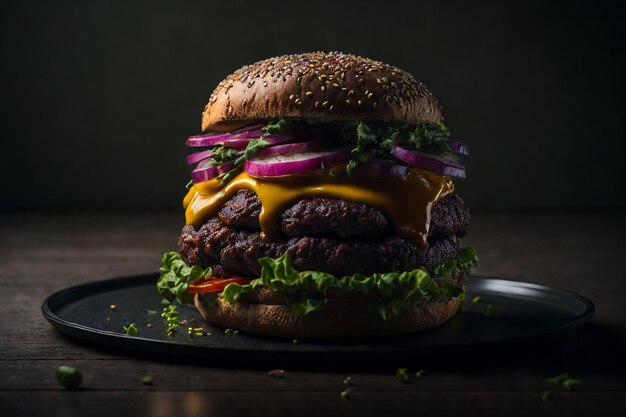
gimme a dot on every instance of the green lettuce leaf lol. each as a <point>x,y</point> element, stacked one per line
<point>307,291</point>
<point>466,259</point>
<point>176,276</point>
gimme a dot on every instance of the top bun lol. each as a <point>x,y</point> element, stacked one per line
<point>319,85</point>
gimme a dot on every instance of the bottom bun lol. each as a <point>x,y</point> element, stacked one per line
<point>335,320</point>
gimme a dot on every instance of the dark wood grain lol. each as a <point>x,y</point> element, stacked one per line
<point>582,252</point>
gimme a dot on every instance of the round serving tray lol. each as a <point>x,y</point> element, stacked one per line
<point>496,312</point>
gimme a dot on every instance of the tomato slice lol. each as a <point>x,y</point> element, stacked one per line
<point>214,284</point>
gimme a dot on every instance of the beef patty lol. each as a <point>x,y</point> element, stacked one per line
<point>335,236</point>
<point>340,218</point>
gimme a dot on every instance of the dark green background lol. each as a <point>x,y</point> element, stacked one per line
<point>98,96</point>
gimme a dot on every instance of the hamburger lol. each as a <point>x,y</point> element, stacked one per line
<point>321,203</point>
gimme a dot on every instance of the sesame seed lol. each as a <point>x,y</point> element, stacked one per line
<point>298,101</point>
<point>350,93</point>
<point>359,102</point>
<point>335,85</point>
<point>348,102</point>
<point>323,88</point>
<point>324,104</point>
<point>343,88</point>
<point>308,93</point>
<point>332,106</point>
<point>369,96</point>
<point>361,80</point>
<point>291,97</point>
<point>317,104</point>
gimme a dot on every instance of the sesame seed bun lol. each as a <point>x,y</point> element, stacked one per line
<point>335,320</point>
<point>319,85</point>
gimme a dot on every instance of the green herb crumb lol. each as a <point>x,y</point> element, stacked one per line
<point>476,299</point>
<point>294,342</point>
<point>345,394</point>
<point>564,380</point>
<point>69,377</point>
<point>196,331</point>
<point>489,312</point>
<point>131,329</point>
<point>170,314</point>
<point>231,332</point>
<point>557,380</point>
<point>570,383</point>
<point>147,380</point>
<point>420,373</point>
<point>546,396</point>
<point>401,375</point>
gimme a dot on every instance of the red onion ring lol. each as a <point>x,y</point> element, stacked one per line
<point>456,146</point>
<point>291,148</point>
<point>198,156</point>
<point>205,171</point>
<point>300,163</point>
<point>427,162</point>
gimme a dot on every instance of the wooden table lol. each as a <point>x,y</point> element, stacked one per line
<point>42,253</point>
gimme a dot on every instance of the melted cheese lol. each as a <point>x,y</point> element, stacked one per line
<point>406,201</point>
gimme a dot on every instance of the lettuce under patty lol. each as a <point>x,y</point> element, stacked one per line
<point>176,276</point>
<point>308,291</point>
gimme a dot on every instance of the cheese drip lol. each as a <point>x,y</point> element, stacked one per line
<point>406,201</point>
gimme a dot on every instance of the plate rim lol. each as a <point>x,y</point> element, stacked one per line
<point>108,338</point>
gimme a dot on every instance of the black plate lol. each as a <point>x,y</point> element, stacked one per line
<point>521,312</point>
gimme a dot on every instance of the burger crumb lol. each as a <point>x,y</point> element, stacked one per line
<point>347,381</point>
<point>113,307</point>
<point>276,373</point>
<point>345,394</point>
<point>420,373</point>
